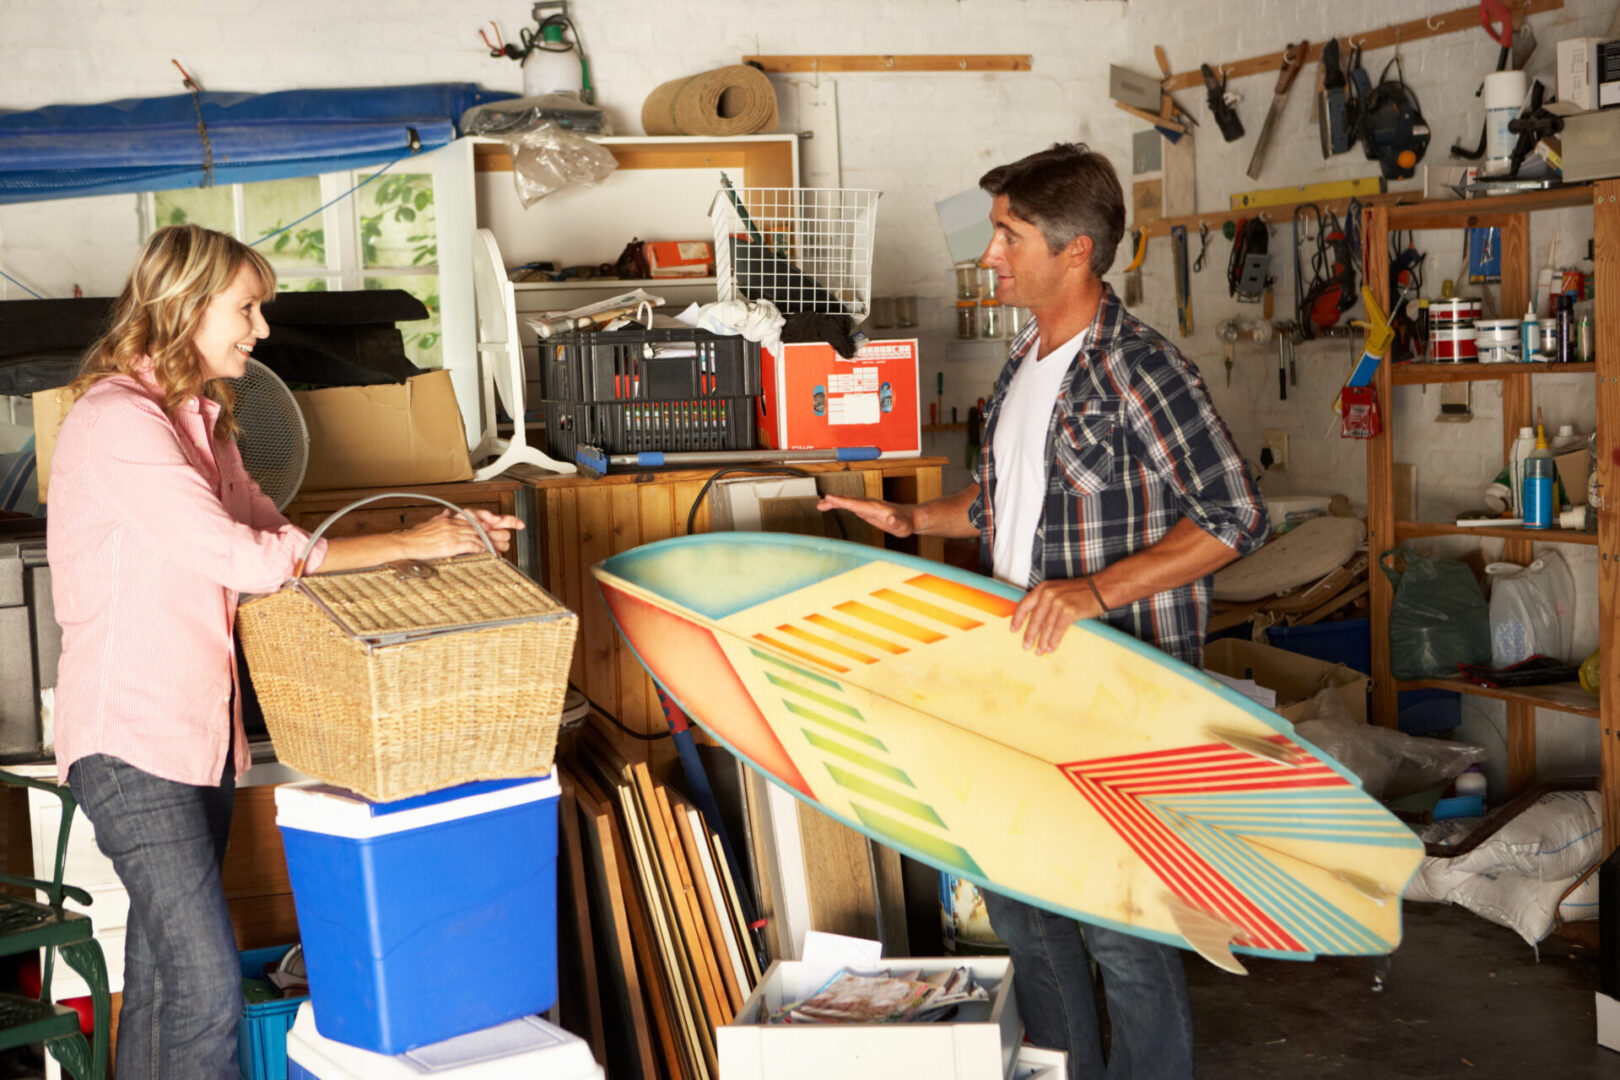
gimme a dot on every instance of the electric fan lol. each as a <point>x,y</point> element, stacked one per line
<point>273,439</point>
<point>500,364</point>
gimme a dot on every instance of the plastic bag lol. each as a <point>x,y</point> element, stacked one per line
<point>1532,610</point>
<point>1390,764</point>
<point>1439,618</point>
<point>548,159</point>
<point>515,115</point>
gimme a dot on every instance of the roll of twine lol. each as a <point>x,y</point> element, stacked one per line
<point>733,100</point>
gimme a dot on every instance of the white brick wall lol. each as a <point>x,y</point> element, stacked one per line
<point>919,138</point>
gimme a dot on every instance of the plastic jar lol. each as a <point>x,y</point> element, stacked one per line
<point>991,321</point>
<point>967,320</point>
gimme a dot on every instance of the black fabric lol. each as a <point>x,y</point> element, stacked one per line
<point>831,330</point>
<point>316,339</point>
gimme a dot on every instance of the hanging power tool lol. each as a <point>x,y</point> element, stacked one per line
<point>1332,119</point>
<point>1533,124</point>
<point>1248,272</point>
<point>1390,123</point>
<point>1332,288</point>
<point>1222,104</point>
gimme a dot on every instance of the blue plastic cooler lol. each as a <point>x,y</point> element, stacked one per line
<point>426,918</point>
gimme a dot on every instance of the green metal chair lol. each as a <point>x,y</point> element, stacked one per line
<point>25,925</point>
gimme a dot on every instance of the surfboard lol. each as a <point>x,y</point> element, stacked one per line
<point>1106,781</point>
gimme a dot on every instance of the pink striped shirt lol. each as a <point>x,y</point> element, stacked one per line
<point>153,530</point>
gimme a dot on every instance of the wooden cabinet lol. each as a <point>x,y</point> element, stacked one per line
<point>1511,215</point>
<point>580,522</point>
<point>309,508</point>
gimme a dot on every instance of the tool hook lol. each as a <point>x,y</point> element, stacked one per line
<point>497,48</point>
<point>1203,247</point>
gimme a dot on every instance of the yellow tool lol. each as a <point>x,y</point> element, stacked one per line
<point>1309,193</point>
<point>1380,336</point>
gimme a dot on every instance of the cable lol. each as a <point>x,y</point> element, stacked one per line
<point>338,199</point>
<point>767,470</point>
<point>642,735</point>
<point>21,286</point>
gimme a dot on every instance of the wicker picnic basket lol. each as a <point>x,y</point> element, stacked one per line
<point>409,678</point>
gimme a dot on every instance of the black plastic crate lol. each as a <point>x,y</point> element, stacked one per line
<point>627,391</point>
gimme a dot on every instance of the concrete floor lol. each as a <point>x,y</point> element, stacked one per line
<point>1462,998</point>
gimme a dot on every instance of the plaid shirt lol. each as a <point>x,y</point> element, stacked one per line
<point>1134,446</point>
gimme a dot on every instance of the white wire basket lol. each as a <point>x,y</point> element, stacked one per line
<point>803,249</point>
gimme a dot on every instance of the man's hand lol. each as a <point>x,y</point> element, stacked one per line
<point>1048,610</point>
<point>896,519</point>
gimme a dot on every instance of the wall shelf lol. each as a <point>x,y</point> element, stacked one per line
<point>1413,374</point>
<point>1565,697</point>
<point>1417,530</point>
<point>1511,213</point>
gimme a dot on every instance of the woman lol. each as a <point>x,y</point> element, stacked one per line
<point>154,529</point>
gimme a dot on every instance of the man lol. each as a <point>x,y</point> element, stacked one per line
<point>1109,488</point>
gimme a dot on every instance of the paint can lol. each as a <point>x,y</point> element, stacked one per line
<point>1453,345</point>
<point>1497,340</point>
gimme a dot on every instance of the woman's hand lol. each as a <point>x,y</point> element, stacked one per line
<point>449,533</point>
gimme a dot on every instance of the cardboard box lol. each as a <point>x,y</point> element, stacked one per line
<point>50,409</point>
<point>982,1043</point>
<point>1577,72</point>
<point>815,399</point>
<point>1572,470</point>
<point>1608,1021</point>
<point>390,435</point>
<point>1591,145</point>
<point>1296,678</point>
<point>679,258</point>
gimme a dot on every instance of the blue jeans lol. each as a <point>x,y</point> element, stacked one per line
<point>182,979</point>
<point>1143,982</point>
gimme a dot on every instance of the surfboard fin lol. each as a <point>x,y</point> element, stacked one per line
<point>1365,886</point>
<point>1262,748</point>
<point>1210,935</point>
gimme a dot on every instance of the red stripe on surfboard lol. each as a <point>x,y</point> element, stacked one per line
<point>1202,748</point>
<point>1245,764</point>
<point>688,660</point>
<point>1189,876</point>
<point>1181,868</point>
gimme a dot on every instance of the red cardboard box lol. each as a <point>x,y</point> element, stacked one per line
<point>815,399</point>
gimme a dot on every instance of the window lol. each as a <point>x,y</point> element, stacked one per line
<point>382,236</point>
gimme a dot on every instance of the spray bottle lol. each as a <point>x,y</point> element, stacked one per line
<point>1520,450</point>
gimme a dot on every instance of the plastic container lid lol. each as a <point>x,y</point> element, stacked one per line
<point>990,302</point>
<point>321,808</point>
<point>971,303</point>
<point>525,1047</point>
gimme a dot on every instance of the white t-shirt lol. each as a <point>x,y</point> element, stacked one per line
<point>1021,460</point>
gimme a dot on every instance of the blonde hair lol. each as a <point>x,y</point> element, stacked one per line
<point>181,268</point>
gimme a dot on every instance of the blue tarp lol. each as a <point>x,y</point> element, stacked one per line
<point>153,144</point>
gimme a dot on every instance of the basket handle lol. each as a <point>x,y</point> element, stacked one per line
<point>298,569</point>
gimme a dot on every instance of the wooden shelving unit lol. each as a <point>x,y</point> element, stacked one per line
<point>1511,214</point>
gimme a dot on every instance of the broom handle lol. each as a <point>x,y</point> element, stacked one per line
<point>316,535</point>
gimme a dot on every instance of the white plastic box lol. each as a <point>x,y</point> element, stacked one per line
<point>982,1045</point>
<point>526,1048</point>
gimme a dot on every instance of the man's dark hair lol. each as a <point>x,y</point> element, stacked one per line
<point>1065,192</point>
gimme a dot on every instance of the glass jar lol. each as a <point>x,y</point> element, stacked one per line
<point>967,320</point>
<point>1015,318</point>
<point>905,311</point>
<point>991,323</point>
<point>987,282</point>
<point>967,280</point>
<point>882,312</point>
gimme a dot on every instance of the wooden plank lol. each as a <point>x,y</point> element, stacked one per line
<point>1414,374</point>
<point>721,947</point>
<point>255,863</point>
<point>580,1005</point>
<point>745,937</point>
<point>1380,490</point>
<point>598,640</point>
<point>1565,697</point>
<point>810,65</point>
<point>1516,274</point>
<point>1450,22</point>
<point>1606,231</point>
<point>1355,592</point>
<point>1422,214</point>
<point>638,703</point>
<point>891,900</point>
<point>676,975</point>
<point>837,873</point>
<point>1403,490</point>
<point>1417,530</point>
<point>688,910</point>
<point>606,863</point>
<point>263,921</point>
<point>1521,746</point>
<point>776,930</point>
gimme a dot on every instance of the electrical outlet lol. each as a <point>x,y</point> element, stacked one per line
<point>1276,440</point>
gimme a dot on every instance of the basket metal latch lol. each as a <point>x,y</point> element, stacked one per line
<point>412,570</point>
